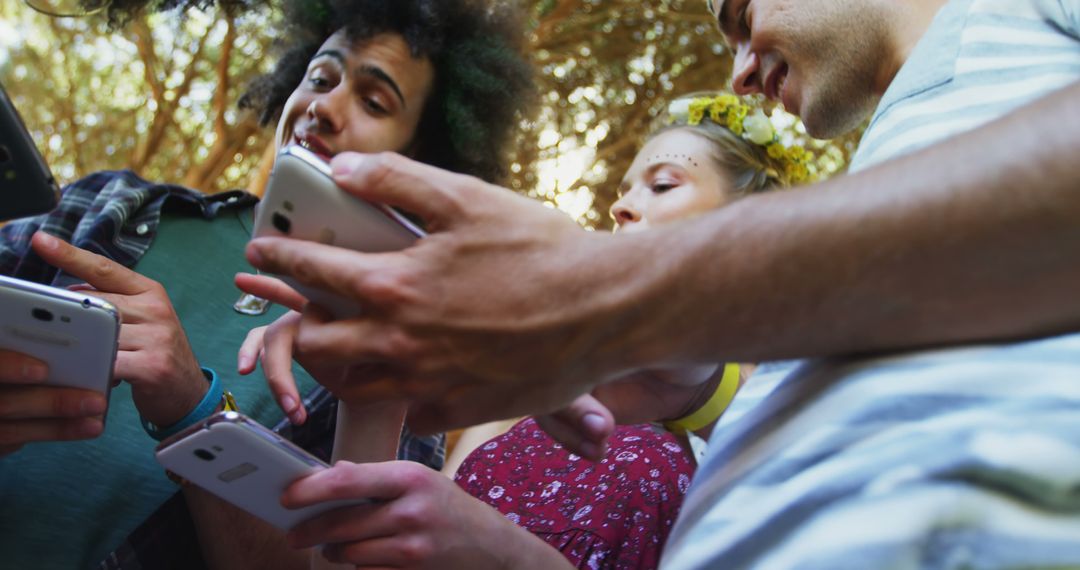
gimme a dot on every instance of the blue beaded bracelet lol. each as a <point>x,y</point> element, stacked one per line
<point>209,403</point>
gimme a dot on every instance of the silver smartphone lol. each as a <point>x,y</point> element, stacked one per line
<point>27,187</point>
<point>75,333</point>
<point>246,464</point>
<point>302,201</point>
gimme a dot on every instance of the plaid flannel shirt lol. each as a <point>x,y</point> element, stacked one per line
<point>116,214</point>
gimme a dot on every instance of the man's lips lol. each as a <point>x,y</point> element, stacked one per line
<point>315,145</point>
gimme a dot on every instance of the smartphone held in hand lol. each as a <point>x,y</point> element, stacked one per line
<point>246,464</point>
<point>302,201</point>
<point>74,333</point>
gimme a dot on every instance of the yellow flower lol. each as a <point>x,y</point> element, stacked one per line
<point>728,100</point>
<point>734,123</point>
<point>717,112</point>
<point>697,111</point>
<point>775,150</point>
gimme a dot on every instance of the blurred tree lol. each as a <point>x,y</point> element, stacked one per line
<point>159,95</point>
<point>607,70</point>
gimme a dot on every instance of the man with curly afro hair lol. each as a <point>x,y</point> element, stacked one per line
<point>440,81</point>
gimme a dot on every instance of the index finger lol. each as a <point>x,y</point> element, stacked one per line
<point>347,480</point>
<point>349,273</point>
<point>271,289</point>
<point>100,272</point>
<point>391,179</point>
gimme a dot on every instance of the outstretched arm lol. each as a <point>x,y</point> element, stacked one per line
<point>490,316</point>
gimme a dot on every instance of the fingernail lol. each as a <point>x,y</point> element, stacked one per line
<point>91,428</point>
<point>297,417</point>
<point>254,255</point>
<point>287,403</point>
<point>92,406</point>
<point>47,241</point>
<point>344,164</point>
<point>244,363</point>
<point>593,424</point>
<point>35,372</point>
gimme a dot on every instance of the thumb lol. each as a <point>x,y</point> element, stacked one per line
<point>583,427</point>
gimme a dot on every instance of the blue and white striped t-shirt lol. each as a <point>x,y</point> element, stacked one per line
<point>957,458</point>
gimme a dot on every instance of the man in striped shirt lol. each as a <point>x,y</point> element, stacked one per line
<point>963,457</point>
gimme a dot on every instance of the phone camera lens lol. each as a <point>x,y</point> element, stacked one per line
<point>42,314</point>
<point>281,222</point>
<point>204,455</point>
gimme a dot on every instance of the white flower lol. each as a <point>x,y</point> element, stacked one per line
<point>679,109</point>
<point>758,128</point>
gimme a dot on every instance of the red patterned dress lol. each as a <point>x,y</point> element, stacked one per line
<point>612,514</point>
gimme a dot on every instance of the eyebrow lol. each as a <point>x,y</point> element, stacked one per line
<point>368,70</point>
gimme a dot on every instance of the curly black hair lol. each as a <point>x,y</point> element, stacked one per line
<point>483,83</point>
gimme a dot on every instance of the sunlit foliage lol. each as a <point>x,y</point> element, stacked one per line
<point>159,95</point>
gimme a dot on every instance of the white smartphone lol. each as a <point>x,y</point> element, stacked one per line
<point>27,187</point>
<point>303,202</point>
<point>246,464</point>
<point>74,333</point>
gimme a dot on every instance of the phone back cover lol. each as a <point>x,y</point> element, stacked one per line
<point>79,343</point>
<point>249,470</point>
<point>302,190</point>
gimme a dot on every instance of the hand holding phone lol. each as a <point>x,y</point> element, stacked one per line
<point>246,464</point>
<point>57,350</point>
<point>74,333</point>
<point>302,201</point>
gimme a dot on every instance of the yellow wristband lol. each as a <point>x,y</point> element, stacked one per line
<point>712,409</point>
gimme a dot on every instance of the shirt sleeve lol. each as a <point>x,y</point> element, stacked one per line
<point>1065,14</point>
<point>15,243</point>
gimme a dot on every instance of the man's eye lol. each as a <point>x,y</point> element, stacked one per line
<point>375,107</point>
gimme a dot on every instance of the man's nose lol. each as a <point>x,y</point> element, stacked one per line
<point>324,110</point>
<point>746,78</point>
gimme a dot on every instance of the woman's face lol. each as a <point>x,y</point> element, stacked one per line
<point>672,177</point>
<point>363,97</point>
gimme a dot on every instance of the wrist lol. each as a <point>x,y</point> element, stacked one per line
<point>165,403</point>
<point>213,399</point>
<point>632,338</point>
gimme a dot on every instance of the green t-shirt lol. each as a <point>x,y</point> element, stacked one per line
<point>67,505</point>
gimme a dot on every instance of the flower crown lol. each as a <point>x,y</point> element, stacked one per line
<point>751,124</point>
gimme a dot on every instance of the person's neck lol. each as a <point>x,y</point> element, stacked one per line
<point>912,18</point>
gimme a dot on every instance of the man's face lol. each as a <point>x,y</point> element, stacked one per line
<point>823,59</point>
<point>362,97</point>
